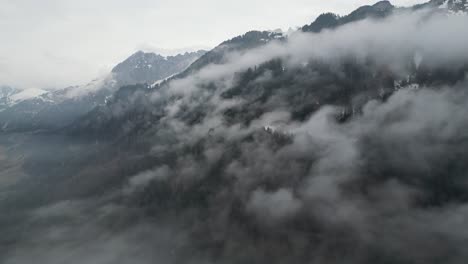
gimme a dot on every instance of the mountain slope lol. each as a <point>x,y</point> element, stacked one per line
<point>249,40</point>
<point>329,21</point>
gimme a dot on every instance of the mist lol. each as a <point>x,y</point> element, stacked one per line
<point>344,146</point>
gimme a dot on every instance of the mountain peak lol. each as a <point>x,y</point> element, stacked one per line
<point>383,6</point>
<point>329,20</point>
<point>141,55</point>
<point>149,67</point>
<point>326,20</point>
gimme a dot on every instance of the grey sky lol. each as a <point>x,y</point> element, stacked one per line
<point>56,43</point>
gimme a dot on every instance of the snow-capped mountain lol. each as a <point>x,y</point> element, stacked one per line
<point>147,67</point>
<point>39,109</point>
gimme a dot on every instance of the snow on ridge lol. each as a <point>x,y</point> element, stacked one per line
<point>444,5</point>
<point>158,82</point>
<point>93,86</point>
<point>27,94</point>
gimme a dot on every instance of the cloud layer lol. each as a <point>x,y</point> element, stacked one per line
<point>54,44</point>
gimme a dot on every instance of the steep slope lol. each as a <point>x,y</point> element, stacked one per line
<point>249,40</point>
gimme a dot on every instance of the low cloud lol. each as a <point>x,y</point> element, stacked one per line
<point>274,206</point>
<point>142,179</point>
<point>383,184</point>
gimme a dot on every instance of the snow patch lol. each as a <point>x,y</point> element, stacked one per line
<point>94,86</point>
<point>444,5</point>
<point>156,83</point>
<point>27,94</point>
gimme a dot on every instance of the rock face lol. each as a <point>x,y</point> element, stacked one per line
<point>143,67</point>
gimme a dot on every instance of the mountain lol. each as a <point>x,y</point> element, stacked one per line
<point>35,109</point>
<point>359,81</point>
<point>144,67</point>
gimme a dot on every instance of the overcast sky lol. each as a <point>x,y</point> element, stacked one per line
<point>57,43</point>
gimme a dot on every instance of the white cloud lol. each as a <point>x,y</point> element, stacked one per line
<point>53,44</point>
<point>142,179</point>
<point>274,206</point>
